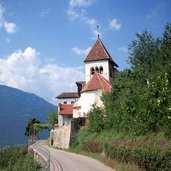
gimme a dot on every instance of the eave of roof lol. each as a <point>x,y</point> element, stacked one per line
<point>66,95</point>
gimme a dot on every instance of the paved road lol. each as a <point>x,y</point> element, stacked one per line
<point>72,162</point>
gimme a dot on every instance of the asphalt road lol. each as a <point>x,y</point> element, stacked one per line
<point>66,161</point>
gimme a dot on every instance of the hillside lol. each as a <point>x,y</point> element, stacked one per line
<point>16,107</point>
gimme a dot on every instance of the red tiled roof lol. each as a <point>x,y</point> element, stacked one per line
<point>65,109</point>
<point>96,82</point>
<point>67,95</point>
<point>99,52</point>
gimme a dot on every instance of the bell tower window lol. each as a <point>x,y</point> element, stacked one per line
<point>92,71</point>
<point>97,69</point>
<point>101,69</point>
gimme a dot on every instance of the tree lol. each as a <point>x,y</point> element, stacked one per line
<point>52,118</point>
<point>96,117</point>
<point>29,129</point>
<point>140,101</point>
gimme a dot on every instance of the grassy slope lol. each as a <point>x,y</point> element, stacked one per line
<point>91,144</point>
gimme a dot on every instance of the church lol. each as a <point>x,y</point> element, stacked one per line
<point>100,70</point>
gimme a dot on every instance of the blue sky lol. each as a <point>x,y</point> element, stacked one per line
<point>43,43</point>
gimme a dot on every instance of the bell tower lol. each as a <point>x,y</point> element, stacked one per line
<point>99,60</point>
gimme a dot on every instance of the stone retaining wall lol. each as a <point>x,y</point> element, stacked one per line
<point>63,136</point>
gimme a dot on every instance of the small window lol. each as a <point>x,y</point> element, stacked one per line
<point>97,69</point>
<point>92,70</point>
<point>101,69</point>
<point>72,102</point>
<point>65,102</point>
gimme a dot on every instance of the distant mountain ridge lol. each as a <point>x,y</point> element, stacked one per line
<point>16,107</point>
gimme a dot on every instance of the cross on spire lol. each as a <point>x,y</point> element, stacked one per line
<point>98,31</point>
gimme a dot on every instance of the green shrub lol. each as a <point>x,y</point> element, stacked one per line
<point>151,152</point>
<point>17,159</point>
<point>80,138</point>
<point>145,156</point>
<point>140,100</point>
<point>97,119</point>
<point>92,146</point>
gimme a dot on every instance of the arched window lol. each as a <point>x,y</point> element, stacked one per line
<point>97,69</point>
<point>101,69</point>
<point>92,71</point>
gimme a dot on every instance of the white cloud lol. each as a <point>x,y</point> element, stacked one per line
<point>8,26</point>
<point>80,3</point>
<point>81,15</point>
<point>114,24</point>
<point>79,51</point>
<point>26,71</point>
<point>72,13</point>
<point>89,21</point>
<point>77,12</point>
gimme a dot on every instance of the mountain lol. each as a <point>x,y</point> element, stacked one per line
<point>16,107</point>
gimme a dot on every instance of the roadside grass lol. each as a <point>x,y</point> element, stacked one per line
<point>17,159</point>
<point>125,152</point>
<point>115,165</point>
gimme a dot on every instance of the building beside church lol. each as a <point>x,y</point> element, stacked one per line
<point>100,70</point>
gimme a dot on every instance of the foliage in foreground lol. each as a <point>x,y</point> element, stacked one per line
<point>29,129</point>
<point>146,155</point>
<point>17,159</point>
<point>150,152</point>
<point>140,101</point>
<point>34,126</point>
<point>135,124</point>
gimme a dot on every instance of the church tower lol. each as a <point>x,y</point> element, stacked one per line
<point>99,60</point>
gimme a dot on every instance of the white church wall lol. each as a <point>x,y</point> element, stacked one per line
<point>76,109</point>
<point>88,99</point>
<point>77,113</point>
<point>103,63</point>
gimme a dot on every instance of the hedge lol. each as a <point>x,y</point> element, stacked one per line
<point>148,157</point>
